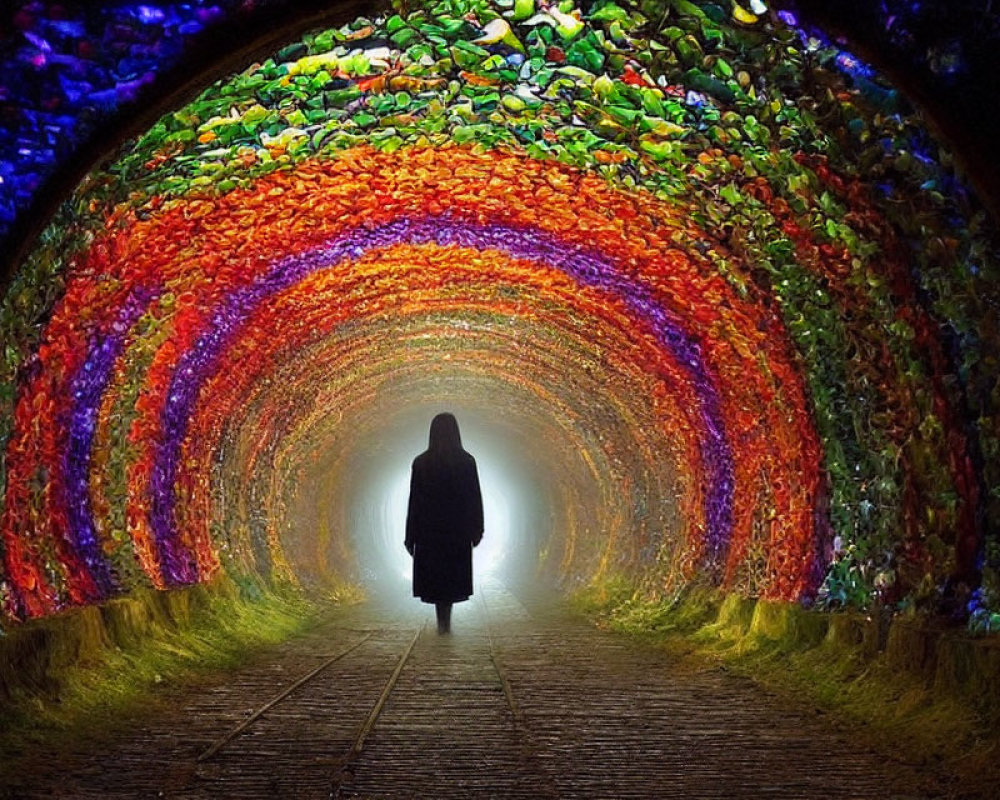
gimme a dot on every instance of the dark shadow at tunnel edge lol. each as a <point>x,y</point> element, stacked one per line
<point>215,53</point>
<point>953,105</point>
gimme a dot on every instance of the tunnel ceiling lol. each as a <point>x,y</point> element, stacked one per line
<point>735,292</point>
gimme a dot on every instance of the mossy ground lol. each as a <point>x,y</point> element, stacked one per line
<point>117,678</point>
<point>896,712</point>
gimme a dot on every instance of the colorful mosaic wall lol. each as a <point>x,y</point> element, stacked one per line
<point>800,291</point>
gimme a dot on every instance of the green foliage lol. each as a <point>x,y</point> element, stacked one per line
<point>112,673</point>
<point>894,711</point>
<point>846,585</point>
<point>617,602</point>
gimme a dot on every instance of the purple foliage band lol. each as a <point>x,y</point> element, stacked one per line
<point>196,365</point>
<point>87,388</point>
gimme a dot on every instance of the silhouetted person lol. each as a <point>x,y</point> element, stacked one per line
<point>444,520</point>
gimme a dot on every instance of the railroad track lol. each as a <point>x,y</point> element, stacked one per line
<point>342,765</point>
<point>363,730</point>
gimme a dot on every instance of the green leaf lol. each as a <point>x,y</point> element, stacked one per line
<point>394,23</point>
<point>623,114</point>
<point>652,103</point>
<point>256,113</point>
<point>297,119</point>
<point>696,79</point>
<point>605,88</point>
<point>658,150</point>
<point>514,103</point>
<point>609,13</point>
<point>419,52</point>
<point>186,135</point>
<point>467,133</point>
<point>320,136</point>
<point>567,26</point>
<point>468,56</point>
<point>688,9</point>
<point>363,119</point>
<point>731,194</point>
<point>357,65</point>
<point>662,127</point>
<point>404,38</point>
<point>523,9</point>
<point>452,26</point>
<point>723,69</point>
<point>339,98</point>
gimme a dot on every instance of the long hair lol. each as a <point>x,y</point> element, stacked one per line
<point>445,438</point>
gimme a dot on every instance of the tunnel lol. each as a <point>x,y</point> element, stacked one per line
<point>713,300</point>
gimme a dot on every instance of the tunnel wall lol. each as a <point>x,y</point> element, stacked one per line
<point>790,277</point>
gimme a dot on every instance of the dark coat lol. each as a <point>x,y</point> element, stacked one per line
<point>444,521</point>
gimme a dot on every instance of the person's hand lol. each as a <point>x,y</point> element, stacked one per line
<point>409,548</point>
<point>477,540</point>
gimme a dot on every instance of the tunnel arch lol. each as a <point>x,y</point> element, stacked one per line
<point>785,320</point>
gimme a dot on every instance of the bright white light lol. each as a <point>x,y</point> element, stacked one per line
<point>394,521</point>
<point>488,558</point>
<point>378,514</point>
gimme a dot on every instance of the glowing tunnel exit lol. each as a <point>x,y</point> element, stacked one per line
<point>378,516</point>
<point>527,469</point>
